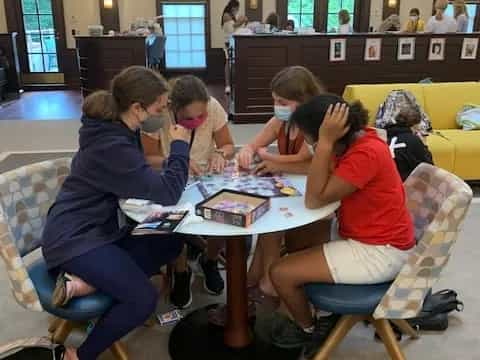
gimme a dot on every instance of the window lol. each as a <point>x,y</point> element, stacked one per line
<point>472,11</point>
<point>334,6</point>
<point>184,27</point>
<point>301,12</point>
<point>40,35</point>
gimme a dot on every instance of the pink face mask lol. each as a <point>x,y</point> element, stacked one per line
<point>192,123</point>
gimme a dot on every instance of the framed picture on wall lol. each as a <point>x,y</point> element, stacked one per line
<point>469,49</point>
<point>406,48</point>
<point>437,50</point>
<point>338,49</point>
<point>373,49</point>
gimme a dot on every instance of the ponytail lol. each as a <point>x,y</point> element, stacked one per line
<point>100,105</point>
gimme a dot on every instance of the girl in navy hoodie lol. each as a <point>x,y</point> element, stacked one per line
<point>82,240</point>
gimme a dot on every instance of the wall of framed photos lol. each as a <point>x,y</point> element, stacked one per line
<point>341,60</point>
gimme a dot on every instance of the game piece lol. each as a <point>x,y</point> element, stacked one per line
<point>288,215</point>
<point>288,191</point>
<point>169,318</point>
<point>279,185</point>
<point>283,209</point>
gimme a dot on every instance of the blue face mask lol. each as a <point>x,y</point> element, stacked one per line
<point>282,112</point>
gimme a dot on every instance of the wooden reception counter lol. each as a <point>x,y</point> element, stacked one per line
<point>100,58</point>
<point>257,58</point>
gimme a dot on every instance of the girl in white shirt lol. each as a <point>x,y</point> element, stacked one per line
<point>441,23</point>
<point>461,15</point>
<point>344,20</point>
<point>229,24</point>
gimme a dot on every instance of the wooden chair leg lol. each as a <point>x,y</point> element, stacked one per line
<point>389,339</point>
<point>406,328</point>
<point>53,325</point>
<point>64,329</point>
<point>119,351</point>
<point>343,326</point>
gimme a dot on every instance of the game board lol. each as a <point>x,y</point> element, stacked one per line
<point>245,181</point>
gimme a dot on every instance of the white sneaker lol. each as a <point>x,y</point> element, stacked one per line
<point>228,90</point>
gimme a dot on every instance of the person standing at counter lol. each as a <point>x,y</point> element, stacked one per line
<point>414,24</point>
<point>230,23</point>
<point>344,21</point>
<point>441,23</point>
<point>461,15</point>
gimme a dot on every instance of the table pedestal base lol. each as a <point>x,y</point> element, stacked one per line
<point>194,338</point>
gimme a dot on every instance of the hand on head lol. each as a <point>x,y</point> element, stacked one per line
<point>335,124</point>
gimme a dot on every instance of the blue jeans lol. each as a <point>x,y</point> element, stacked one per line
<point>122,270</point>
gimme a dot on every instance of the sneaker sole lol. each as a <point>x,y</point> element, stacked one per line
<point>210,291</point>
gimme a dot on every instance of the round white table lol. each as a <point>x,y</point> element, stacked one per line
<point>285,213</point>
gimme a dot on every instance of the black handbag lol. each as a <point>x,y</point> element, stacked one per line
<point>33,348</point>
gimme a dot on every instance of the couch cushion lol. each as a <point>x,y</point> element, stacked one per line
<point>372,96</point>
<point>444,100</point>
<point>443,151</point>
<point>467,152</point>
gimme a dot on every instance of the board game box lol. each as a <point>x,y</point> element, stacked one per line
<point>244,181</point>
<point>233,208</point>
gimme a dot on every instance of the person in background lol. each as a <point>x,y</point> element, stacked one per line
<point>441,23</point>
<point>291,87</point>
<point>375,232</point>
<point>344,21</point>
<point>414,23</point>
<point>211,146</point>
<point>391,23</point>
<point>274,21</point>
<point>406,144</point>
<point>290,25</point>
<point>82,243</point>
<point>230,23</point>
<point>461,15</point>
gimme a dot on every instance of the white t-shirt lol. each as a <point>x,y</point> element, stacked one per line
<point>446,25</point>
<point>462,23</point>
<point>345,29</point>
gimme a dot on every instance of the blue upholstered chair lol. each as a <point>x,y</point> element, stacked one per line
<point>26,194</point>
<point>438,202</point>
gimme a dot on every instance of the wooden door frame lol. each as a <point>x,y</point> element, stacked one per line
<point>14,15</point>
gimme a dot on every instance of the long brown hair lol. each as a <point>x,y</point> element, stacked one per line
<point>133,84</point>
<point>186,90</point>
<point>344,16</point>
<point>296,83</point>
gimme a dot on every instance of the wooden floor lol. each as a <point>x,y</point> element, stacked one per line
<point>62,105</point>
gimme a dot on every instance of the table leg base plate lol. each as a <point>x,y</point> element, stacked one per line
<point>194,338</point>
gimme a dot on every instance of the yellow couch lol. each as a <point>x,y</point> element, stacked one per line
<point>453,149</point>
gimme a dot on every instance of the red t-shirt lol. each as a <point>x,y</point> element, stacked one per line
<point>376,213</point>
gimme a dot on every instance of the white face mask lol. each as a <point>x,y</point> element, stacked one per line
<point>414,18</point>
<point>282,112</point>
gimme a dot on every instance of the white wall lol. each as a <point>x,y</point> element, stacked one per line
<point>130,10</point>
<point>3,19</point>
<point>376,13</point>
<point>78,15</point>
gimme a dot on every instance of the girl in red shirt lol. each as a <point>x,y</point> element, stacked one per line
<point>351,164</point>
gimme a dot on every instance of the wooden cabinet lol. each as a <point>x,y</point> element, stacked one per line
<point>101,58</point>
<point>258,58</point>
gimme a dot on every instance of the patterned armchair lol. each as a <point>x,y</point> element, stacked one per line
<point>438,202</point>
<point>26,195</point>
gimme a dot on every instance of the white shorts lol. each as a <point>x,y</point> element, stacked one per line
<point>353,262</point>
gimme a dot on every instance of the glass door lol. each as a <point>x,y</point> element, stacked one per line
<point>40,36</point>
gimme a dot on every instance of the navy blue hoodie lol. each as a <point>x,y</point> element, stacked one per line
<point>109,166</point>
